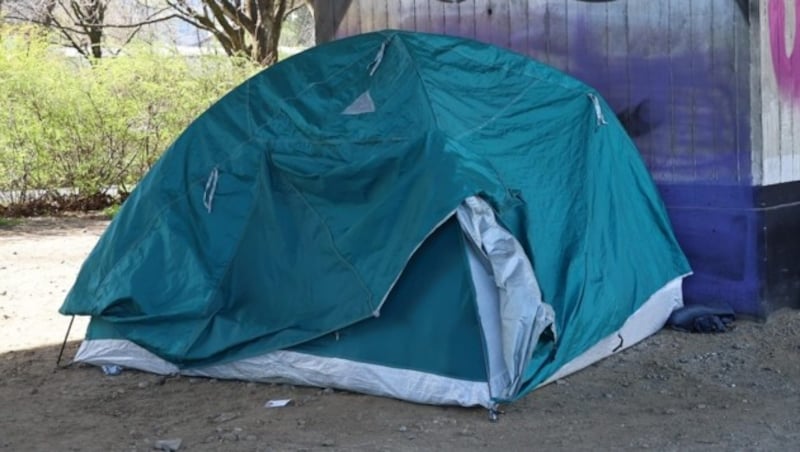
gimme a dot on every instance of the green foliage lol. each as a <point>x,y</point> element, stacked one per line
<point>71,127</point>
<point>111,211</point>
<point>8,222</point>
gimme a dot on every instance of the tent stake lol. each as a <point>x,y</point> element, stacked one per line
<point>64,344</point>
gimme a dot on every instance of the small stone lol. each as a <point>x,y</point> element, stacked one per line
<point>608,395</point>
<point>561,382</point>
<point>168,445</point>
<point>230,436</point>
<point>701,406</point>
<point>328,443</point>
<point>403,428</point>
<point>225,417</point>
<point>328,391</point>
<point>670,411</point>
<point>250,438</point>
<point>143,384</point>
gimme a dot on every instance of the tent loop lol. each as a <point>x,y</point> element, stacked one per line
<point>601,120</point>
<point>211,189</point>
<point>378,58</point>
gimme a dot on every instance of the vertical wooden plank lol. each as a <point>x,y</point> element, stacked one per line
<point>794,142</point>
<point>583,29</point>
<point>408,15</point>
<point>499,23</point>
<point>749,139</point>
<point>749,134</point>
<point>616,54</point>
<point>394,14</point>
<point>466,19</point>
<point>422,15</point>
<point>351,20</point>
<point>714,105</point>
<point>483,28</point>
<point>726,115</point>
<point>518,25</point>
<point>439,11</point>
<point>786,142</point>
<point>770,100</point>
<point>711,94</point>
<point>567,38</point>
<point>345,26</point>
<point>380,21</point>
<point>365,23</point>
<point>695,60</point>
<point>537,29</point>
<point>557,34</point>
<point>534,30</point>
<point>679,104</point>
<point>636,64</point>
<point>656,101</point>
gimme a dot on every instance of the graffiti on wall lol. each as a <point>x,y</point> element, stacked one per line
<point>785,54</point>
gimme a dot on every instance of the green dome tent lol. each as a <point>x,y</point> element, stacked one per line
<point>409,215</point>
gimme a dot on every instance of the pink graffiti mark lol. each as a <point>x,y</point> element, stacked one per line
<point>786,66</point>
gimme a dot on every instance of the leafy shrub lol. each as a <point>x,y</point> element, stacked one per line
<point>70,129</point>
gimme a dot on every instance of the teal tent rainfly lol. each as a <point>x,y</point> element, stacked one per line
<point>409,215</point>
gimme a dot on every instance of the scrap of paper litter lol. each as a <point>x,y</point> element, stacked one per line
<point>277,403</point>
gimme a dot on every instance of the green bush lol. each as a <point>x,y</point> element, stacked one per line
<point>70,128</point>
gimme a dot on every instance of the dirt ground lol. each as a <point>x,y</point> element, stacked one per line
<point>674,391</point>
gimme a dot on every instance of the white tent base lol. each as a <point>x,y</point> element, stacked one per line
<point>305,369</point>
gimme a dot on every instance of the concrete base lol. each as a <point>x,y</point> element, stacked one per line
<point>742,242</point>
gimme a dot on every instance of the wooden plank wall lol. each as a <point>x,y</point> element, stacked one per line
<point>779,82</point>
<point>676,71</point>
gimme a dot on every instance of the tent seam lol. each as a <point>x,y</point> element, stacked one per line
<point>422,83</point>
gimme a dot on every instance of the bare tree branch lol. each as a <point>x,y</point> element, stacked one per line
<point>135,25</point>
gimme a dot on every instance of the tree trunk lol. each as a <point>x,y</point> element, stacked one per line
<point>265,45</point>
<point>95,16</point>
